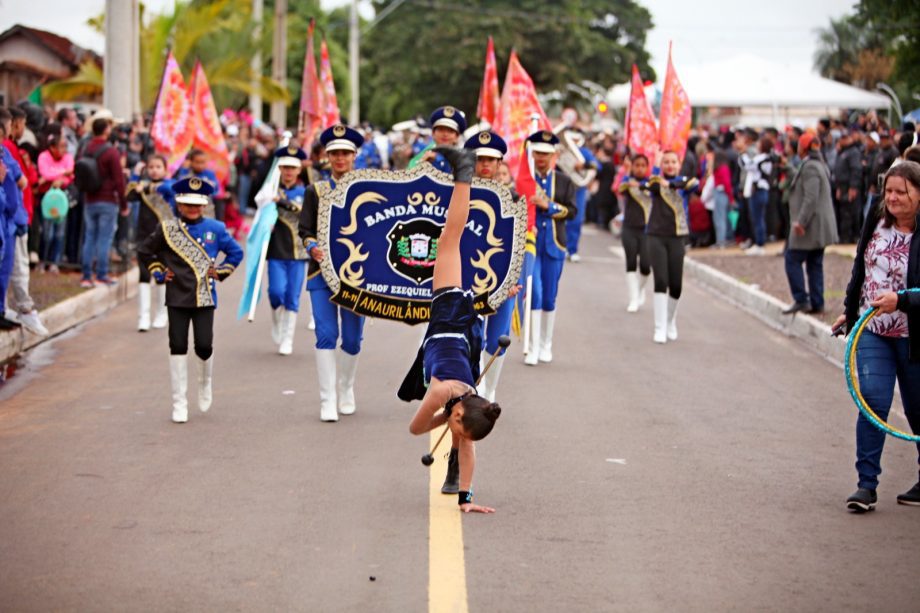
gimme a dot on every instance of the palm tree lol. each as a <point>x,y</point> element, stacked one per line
<point>220,34</point>
<point>838,46</point>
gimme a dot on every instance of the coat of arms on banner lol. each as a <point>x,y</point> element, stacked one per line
<point>380,232</point>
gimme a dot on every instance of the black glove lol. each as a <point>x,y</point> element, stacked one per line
<point>463,161</point>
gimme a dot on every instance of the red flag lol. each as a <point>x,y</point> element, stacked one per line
<point>641,131</point>
<point>487,108</point>
<point>526,186</point>
<point>172,129</point>
<point>207,130</point>
<point>676,113</point>
<point>311,96</point>
<point>518,102</point>
<point>330,100</point>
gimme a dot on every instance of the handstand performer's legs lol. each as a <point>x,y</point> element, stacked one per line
<point>447,268</point>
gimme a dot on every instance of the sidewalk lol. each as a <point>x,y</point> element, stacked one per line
<point>69,313</point>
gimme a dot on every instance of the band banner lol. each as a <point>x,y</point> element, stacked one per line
<point>380,232</point>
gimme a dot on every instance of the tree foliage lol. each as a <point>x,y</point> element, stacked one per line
<point>852,53</point>
<point>898,23</point>
<point>428,53</point>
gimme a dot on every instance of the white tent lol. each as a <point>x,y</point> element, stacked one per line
<point>747,80</point>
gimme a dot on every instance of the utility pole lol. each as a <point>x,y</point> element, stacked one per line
<point>255,100</point>
<point>279,61</point>
<point>353,45</point>
<point>121,78</point>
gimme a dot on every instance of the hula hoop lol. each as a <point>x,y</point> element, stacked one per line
<point>853,380</point>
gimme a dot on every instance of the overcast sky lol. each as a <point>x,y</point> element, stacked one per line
<point>702,30</point>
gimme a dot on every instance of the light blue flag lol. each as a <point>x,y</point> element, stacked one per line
<point>259,235</point>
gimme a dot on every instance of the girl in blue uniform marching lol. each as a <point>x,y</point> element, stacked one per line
<point>182,252</point>
<point>555,205</point>
<point>287,255</point>
<point>450,352</point>
<point>336,372</point>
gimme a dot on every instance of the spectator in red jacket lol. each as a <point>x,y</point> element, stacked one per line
<point>101,208</point>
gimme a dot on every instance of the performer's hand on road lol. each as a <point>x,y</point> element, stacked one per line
<point>798,229</point>
<point>475,508</point>
<point>317,254</point>
<point>169,275</point>
<point>886,303</point>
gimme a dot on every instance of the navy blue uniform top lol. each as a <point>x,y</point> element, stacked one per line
<point>285,244</point>
<point>560,190</point>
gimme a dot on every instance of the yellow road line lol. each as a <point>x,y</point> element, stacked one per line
<point>446,566</point>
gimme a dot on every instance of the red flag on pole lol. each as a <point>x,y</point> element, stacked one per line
<point>518,102</point>
<point>330,100</point>
<point>208,135</point>
<point>676,113</point>
<point>487,108</point>
<point>311,96</point>
<point>641,131</point>
<point>172,129</point>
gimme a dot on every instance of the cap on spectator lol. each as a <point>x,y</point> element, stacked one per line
<point>101,114</point>
<point>874,136</point>
<point>805,142</point>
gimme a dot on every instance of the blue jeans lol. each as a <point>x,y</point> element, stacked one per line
<point>759,202</point>
<point>880,360</point>
<point>720,217</point>
<point>285,282</point>
<point>326,315</point>
<point>53,236</point>
<point>99,221</point>
<point>813,259</point>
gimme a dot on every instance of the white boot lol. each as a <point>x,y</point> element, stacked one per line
<point>490,379</point>
<point>325,369</point>
<point>643,281</point>
<point>661,318</point>
<point>546,336</point>
<point>672,319</point>
<point>288,327</point>
<point>161,317</point>
<point>277,319</point>
<point>533,355</point>
<point>143,307</point>
<point>632,290</point>
<point>205,369</point>
<point>178,377</point>
<point>346,367</point>
<point>312,324</point>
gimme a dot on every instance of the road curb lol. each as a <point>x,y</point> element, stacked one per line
<point>71,312</point>
<point>815,334</point>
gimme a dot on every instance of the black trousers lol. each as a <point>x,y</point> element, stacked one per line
<point>635,244</point>
<point>202,321</point>
<point>667,263</point>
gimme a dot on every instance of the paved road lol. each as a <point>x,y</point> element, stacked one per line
<point>704,475</point>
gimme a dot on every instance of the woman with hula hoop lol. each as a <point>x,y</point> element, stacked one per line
<point>887,265</point>
<point>449,355</point>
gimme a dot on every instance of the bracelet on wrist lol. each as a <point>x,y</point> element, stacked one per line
<point>464,497</point>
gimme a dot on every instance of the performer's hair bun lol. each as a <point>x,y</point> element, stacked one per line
<point>492,412</point>
<point>479,416</point>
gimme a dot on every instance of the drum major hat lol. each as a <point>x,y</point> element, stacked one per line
<point>341,138</point>
<point>449,117</point>
<point>487,144</point>
<point>193,190</point>
<point>543,141</point>
<point>290,156</point>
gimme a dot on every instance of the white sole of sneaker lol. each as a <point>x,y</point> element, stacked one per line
<point>860,507</point>
<point>910,503</point>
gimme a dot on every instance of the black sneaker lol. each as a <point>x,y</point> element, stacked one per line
<point>6,324</point>
<point>911,497</point>
<point>862,500</point>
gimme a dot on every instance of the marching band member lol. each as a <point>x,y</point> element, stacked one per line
<point>573,227</point>
<point>336,374</point>
<point>447,125</point>
<point>448,361</point>
<point>667,234</point>
<point>182,252</point>
<point>555,204</point>
<point>156,206</point>
<point>286,253</point>
<point>636,206</point>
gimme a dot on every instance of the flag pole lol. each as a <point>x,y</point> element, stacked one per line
<point>534,124</point>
